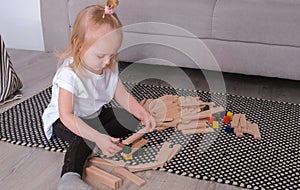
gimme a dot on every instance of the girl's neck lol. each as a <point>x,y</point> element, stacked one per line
<point>99,72</point>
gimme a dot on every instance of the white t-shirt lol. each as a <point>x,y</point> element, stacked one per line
<point>90,91</point>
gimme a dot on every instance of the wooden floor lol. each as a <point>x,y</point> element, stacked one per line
<point>37,169</point>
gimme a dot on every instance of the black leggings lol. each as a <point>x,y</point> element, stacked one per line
<point>79,149</point>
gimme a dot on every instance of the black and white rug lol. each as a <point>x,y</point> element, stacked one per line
<point>271,163</point>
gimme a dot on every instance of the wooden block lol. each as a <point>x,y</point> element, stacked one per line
<point>199,120</point>
<point>192,125</point>
<point>103,177</point>
<point>166,125</point>
<point>147,103</point>
<point>243,122</point>
<point>230,114</point>
<point>165,119</point>
<point>253,129</point>
<point>164,155</point>
<point>157,106</point>
<point>196,116</point>
<point>164,152</point>
<point>144,167</point>
<point>215,125</point>
<point>189,101</point>
<point>130,176</point>
<point>197,131</point>
<point>142,102</point>
<point>176,149</point>
<point>100,161</point>
<point>136,136</point>
<point>217,109</point>
<point>107,162</point>
<point>235,120</point>
<point>135,147</point>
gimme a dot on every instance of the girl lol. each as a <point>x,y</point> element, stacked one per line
<point>86,80</point>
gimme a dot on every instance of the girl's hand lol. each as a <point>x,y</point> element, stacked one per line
<point>149,121</point>
<point>107,145</point>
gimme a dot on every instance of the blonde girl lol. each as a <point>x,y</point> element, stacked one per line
<point>86,80</point>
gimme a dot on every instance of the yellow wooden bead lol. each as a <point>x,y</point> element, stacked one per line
<point>129,157</point>
<point>230,114</point>
<point>215,124</point>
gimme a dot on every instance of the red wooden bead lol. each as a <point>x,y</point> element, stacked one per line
<point>226,119</point>
<point>211,119</point>
<point>121,144</point>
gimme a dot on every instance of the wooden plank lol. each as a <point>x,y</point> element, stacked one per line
<point>197,131</point>
<point>176,149</point>
<point>235,120</point>
<point>107,162</point>
<point>192,125</point>
<point>103,177</point>
<point>100,161</point>
<point>164,152</point>
<point>130,176</point>
<point>165,125</point>
<point>253,129</point>
<point>136,136</point>
<point>144,167</point>
<point>243,122</point>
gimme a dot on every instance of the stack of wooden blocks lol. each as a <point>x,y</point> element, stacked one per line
<point>185,113</point>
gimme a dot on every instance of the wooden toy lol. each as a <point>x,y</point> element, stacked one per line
<point>136,136</point>
<point>107,162</point>
<point>127,149</point>
<point>215,125</point>
<point>181,112</point>
<point>228,129</point>
<point>135,147</point>
<point>211,119</point>
<point>164,156</point>
<point>130,176</point>
<point>253,130</point>
<point>241,126</point>
<point>103,177</point>
<point>197,131</point>
<point>235,120</point>
<point>230,114</point>
<point>226,119</point>
<point>192,125</point>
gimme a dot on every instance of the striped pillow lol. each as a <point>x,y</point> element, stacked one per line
<point>10,83</point>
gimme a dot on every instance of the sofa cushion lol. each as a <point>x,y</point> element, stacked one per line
<point>261,21</point>
<point>194,16</point>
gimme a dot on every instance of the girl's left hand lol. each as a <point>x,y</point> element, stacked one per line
<point>149,121</point>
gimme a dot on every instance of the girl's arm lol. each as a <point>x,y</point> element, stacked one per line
<point>80,128</point>
<point>129,103</point>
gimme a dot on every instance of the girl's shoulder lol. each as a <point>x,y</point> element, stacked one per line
<point>66,68</point>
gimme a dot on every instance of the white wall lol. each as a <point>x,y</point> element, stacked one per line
<point>20,24</point>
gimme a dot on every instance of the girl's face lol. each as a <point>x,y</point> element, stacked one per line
<point>102,53</point>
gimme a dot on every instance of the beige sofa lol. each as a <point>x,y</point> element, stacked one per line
<point>255,37</point>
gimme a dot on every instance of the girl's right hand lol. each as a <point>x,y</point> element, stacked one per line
<point>107,145</point>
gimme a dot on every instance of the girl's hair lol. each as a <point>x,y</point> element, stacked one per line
<point>88,19</point>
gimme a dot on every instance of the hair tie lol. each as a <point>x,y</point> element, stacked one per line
<point>110,7</point>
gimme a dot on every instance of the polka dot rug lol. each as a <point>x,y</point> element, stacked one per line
<point>270,163</point>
